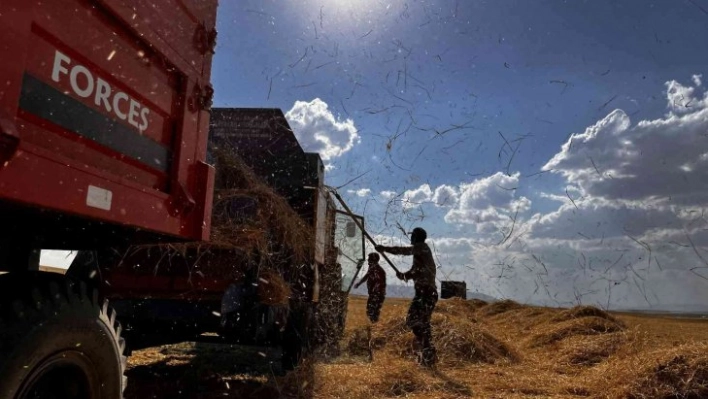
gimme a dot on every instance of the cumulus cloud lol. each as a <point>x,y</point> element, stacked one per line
<point>387,194</point>
<point>488,200</point>
<point>636,227</point>
<point>662,158</point>
<point>484,202</point>
<point>362,192</point>
<point>442,196</point>
<point>318,130</point>
<point>418,196</point>
<point>445,196</point>
<point>697,80</point>
<point>596,218</point>
<point>681,98</point>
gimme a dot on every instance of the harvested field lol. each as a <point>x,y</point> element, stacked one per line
<point>486,351</point>
<point>574,327</point>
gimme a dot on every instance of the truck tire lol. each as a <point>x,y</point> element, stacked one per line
<point>57,340</point>
<point>296,340</point>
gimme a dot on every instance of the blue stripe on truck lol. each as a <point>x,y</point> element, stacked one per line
<point>49,103</point>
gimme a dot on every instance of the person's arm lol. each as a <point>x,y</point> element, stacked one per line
<point>366,277</point>
<point>395,250</point>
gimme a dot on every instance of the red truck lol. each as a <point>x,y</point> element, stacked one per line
<point>104,125</point>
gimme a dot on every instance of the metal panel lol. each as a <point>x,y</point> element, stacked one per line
<point>106,102</point>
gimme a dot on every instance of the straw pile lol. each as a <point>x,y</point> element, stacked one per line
<point>477,303</point>
<point>272,288</point>
<point>525,318</point>
<point>587,351</point>
<point>458,307</point>
<point>680,372</point>
<point>400,382</point>
<point>250,215</point>
<point>497,308</point>
<point>583,326</point>
<point>583,311</point>
<point>458,339</point>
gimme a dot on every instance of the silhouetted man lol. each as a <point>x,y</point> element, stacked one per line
<point>375,279</point>
<point>422,273</point>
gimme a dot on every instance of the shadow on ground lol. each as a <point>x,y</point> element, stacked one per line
<point>205,370</point>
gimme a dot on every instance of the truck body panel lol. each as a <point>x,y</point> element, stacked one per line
<point>104,116</point>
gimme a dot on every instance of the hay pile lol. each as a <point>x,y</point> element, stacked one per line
<point>250,215</point>
<point>525,318</point>
<point>400,382</point>
<point>575,327</point>
<point>458,307</point>
<point>583,311</point>
<point>457,338</point>
<point>460,341</point>
<point>500,307</point>
<point>587,351</point>
<point>477,303</point>
<point>680,372</point>
<point>272,288</point>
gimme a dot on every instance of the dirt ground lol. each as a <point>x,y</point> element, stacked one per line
<point>502,350</point>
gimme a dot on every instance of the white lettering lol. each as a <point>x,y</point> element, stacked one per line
<point>119,96</point>
<point>143,116</point>
<point>85,85</point>
<point>75,71</point>
<point>134,111</point>
<point>59,58</point>
<point>103,92</point>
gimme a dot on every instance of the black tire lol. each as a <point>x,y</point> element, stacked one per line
<point>296,342</point>
<point>57,340</point>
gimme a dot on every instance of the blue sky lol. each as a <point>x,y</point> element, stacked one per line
<point>427,92</point>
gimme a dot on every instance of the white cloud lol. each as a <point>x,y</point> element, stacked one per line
<point>680,98</point>
<point>636,232</point>
<point>318,130</point>
<point>697,80</point>
<point>362,192</point>
<point>596,218</point>
<point>387,195</point>
<point>488,200</point>
<point>662,158</point>
<point>442,196</point>
<point>445,196</point>
<point>418,196</point>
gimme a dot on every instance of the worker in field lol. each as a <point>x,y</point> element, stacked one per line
<point>422,273</point>
<point>375,279</point>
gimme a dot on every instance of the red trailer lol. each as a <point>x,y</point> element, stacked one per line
<point>103,134</point>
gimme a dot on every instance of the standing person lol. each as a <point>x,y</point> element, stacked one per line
<point>375,279</point>
<point>422,273</point>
